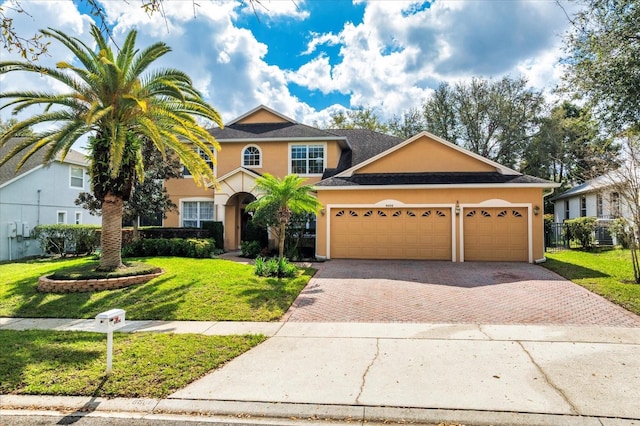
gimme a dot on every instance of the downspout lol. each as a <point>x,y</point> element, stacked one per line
<point>38,214</point>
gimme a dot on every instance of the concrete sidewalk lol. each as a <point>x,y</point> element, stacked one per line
<point>367,372</point>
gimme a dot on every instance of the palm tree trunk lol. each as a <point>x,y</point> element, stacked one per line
<point>283,226</point>
<point>111,238</point>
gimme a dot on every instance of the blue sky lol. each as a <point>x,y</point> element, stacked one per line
<point>310,58</point>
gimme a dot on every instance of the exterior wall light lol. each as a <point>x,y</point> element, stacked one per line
<point>457,208</point>
<point>322,211</point>
<point>536,210</point>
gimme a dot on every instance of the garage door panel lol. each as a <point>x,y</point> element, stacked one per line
<point>383,233</point>
<point>496,234</point>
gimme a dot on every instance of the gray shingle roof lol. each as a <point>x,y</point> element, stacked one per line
<point>364,145</point>
<point>8,170</point>
<point>440,178</point>
<point>270,131</point>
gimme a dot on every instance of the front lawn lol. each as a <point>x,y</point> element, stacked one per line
<point>151,365</point>
<point>608,273</point>
<point>190,289</point>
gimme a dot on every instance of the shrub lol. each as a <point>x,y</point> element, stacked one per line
<point>622,232</point>
<point>582,230</point>
<point>275,267</point>
<point>217,232</point>
<point>196,248</point>
<point>250,248</point>
<point>67,239</point>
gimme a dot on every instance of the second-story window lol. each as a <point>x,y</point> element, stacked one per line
<point>205,157</point>
<point>251,157</point>
<point>307,159</point>
<point>76,177</point>
<point>583,206</point>
<point>599,206</point>
<point>615,204</point>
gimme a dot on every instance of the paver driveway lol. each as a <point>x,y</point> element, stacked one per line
<point>445,292</point>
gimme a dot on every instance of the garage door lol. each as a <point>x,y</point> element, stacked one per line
<point>391,233</point>
<point>496,234</point>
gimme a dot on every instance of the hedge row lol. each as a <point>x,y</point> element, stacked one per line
<point>191,247</point>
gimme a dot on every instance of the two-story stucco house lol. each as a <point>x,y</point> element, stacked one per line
<point>382,197</point>
<point>36,195</point>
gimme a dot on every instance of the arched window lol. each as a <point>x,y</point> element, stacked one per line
<point>251,156</point>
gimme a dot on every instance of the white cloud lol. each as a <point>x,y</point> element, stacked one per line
<point>389,61</point>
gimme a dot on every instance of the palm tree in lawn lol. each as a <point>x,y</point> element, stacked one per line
<point>286,196</point>
<point>119,103</point>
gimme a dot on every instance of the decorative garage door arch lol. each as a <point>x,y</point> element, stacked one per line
<point>496,230</point>
<point>391,230</point>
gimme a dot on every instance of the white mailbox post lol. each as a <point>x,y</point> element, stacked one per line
<point>108,322</point>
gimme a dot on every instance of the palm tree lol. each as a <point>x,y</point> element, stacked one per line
<point>286,196</point>
<point>112,99</point>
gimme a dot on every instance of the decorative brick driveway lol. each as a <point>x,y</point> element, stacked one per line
<point>445,292</point>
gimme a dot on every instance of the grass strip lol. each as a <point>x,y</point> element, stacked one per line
<point>152,365</point>
<point>608,273</point>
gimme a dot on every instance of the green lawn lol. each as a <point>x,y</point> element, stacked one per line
<point>144,364</point>
<point>608,273</point>
<point>190,289</point>
<point>38,362</point>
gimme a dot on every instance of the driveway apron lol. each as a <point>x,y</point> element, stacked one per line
<point>445,292</point>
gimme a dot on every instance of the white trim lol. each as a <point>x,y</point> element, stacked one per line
<point>20,176</point>
<point>197,200</point>
<point>236,171</point>
<point>64,214</point>
<point>324,159</point>
<point>258,108</point>
<point>388,203</point>
<point>499,167</point>
<point>498,203</point>
<point>244,148</point>
<point>436,186</point>
<point>71,167</point>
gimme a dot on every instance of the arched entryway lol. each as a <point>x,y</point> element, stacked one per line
<point>236,219</point>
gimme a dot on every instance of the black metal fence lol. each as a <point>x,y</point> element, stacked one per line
<point>556,237</point>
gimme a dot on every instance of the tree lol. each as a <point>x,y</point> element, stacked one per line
<point>603,59</point>
<point>409,124</point>
<point>568,148</point>
<point>112,98</point>
<point>285,196</point>
<point>625,180</point>
<point>359,118</point>
<point>6,125</point>
<point>495,119</point>
<point>149,198</point>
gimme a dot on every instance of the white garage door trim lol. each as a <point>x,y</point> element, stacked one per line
<point>391,204</point>
<point>499,204</point>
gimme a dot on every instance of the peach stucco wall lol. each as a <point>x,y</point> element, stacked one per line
<point>464,196</point>
<point>275,157</point>
<point>262,116</point>
<point>181,189</point>
<point>426,155</point>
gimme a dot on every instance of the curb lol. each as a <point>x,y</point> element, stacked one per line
<point>278,413</point>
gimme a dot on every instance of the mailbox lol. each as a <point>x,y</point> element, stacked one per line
<point>110,320</point>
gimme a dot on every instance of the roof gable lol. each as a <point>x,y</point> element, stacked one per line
<point>261,115</point>
<point>426,152</point>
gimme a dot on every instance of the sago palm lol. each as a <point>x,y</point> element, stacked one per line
<point>118,102</point>
<point>286,196</point>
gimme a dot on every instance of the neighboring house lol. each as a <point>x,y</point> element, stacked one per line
<point>595,198</point>
<point>382,197</point>
<point>37,195</point>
